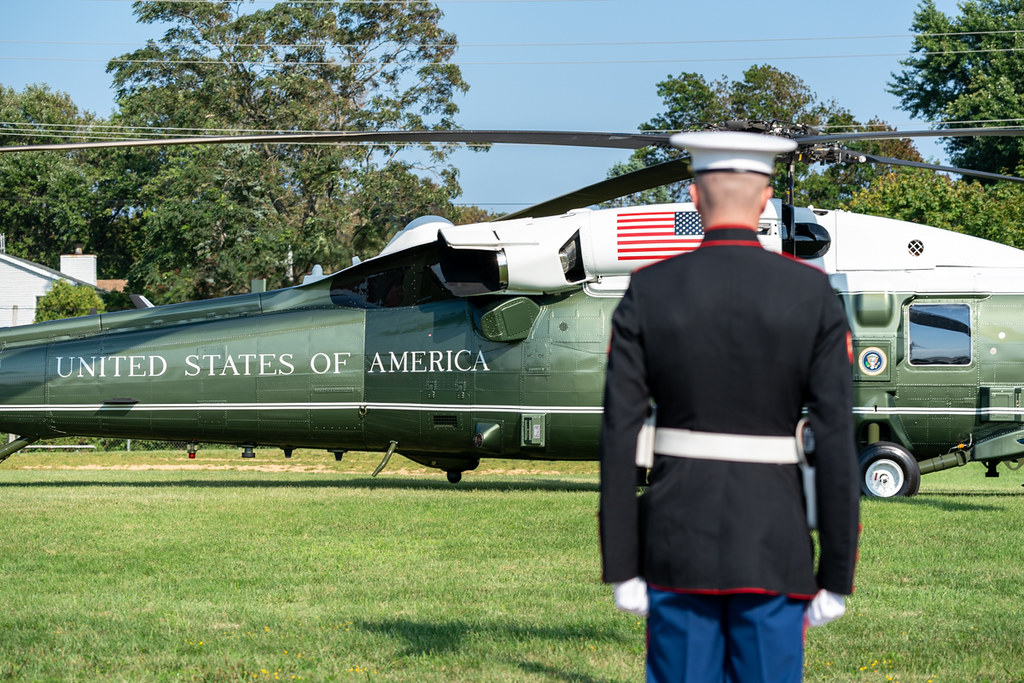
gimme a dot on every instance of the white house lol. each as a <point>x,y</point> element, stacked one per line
<point>22,283</point>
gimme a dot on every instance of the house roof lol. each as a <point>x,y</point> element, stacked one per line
<point>43,271</point>
<point>116,285</point>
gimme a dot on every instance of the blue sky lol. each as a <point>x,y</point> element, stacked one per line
<point>545,64</point>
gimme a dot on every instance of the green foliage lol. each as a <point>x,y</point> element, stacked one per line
<point>214,218</point>
<point>834,184</point>
<point>763,94</point>
<point>50,201</point>
<point>471,214</point>
<point>117,301</point>
<point>45,199</point>
<point>65,300</point>
<point>657,195</point>
<point>968,68</point>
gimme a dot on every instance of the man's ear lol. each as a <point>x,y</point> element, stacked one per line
<point>694,195</point>
<point>768,192</point>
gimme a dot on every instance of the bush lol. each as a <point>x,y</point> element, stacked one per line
<point>65,300</point>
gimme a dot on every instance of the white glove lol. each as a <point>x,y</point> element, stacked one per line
<point>825,607</point>
<point>631,596</point>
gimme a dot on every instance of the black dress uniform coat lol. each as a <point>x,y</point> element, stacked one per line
<point>729,339</point>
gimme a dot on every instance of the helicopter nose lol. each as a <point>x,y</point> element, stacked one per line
<point>22,391</point>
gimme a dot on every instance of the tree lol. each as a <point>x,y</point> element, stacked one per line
<point>655,195</point>
<point>65,300</point>
<point>215,217</point>
<point>45,200</point>
<point>968,69</point>
<point>763,94</point>
<point>50,201</point>
<point>837,183</point>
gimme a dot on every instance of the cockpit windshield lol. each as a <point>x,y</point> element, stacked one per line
<point>404,278</point>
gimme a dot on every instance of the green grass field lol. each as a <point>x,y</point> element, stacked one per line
<point>149,566</point>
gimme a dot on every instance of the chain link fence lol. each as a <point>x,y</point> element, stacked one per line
<point>80,443</point>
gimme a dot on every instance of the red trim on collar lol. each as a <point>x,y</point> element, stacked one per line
<point>728,226</point>
<point>738,236</point>
<point>731,243</point>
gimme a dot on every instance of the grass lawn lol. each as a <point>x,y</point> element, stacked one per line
<point>149,566</point>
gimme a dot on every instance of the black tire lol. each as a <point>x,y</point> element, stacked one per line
<point>454,476</point>
<point>888,470</point>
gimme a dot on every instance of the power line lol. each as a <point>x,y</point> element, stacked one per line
<point>586,62</point>
<point>637,43</point>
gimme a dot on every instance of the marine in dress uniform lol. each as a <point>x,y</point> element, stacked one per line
<point>731,343</point>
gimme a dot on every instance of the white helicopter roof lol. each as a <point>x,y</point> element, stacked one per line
<point>867,253</point>
<point>865,242</point>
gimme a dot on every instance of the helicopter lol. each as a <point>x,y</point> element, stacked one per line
<point>463,342</point>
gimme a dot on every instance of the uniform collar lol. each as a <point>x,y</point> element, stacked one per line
<point>730,236</point>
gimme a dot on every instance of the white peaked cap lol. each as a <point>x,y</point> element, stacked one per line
<point>732,150</point>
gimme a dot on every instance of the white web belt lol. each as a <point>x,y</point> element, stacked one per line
<point>684,443</point>
<point>775,450</point>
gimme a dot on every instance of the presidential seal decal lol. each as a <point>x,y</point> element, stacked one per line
<point>873,361</point>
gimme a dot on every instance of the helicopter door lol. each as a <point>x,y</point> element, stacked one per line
<point>938,378</point>
<point>998,351</point>
<point>335,379</point>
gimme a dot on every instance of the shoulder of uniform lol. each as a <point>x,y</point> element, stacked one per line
<point>799,265</point>
<point>657,269</point>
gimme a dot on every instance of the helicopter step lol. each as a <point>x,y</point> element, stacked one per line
<point>387,458</point>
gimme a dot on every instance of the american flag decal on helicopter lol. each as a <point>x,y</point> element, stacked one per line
<point>653,235</point>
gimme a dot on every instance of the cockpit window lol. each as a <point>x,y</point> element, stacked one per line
<point>940,334</point>
<point>402,279</point>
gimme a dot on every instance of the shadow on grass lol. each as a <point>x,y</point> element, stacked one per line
<point>947,502</point>
<point>550,672</point>
<point>423,638</point>
<point>396,483</point>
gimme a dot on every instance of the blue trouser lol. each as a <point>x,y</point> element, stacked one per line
<point>739,638</point>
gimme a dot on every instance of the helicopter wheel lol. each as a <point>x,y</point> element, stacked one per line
<point>888,470</point>
<point>454,476</point>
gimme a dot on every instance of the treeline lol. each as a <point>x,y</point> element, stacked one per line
<point>193,222</point>
<point>199,221</point>
<point>965,71</point>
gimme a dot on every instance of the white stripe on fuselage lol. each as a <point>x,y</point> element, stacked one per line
<point>453,407</point>
<point>203,407</point>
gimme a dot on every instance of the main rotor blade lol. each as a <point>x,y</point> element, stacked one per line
<point>515,137</point>
<point>607,140</point>
<point>612,188</point>
<point>896,134</point>
<point>936,167</point>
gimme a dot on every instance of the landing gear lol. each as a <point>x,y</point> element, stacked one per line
<point>888,470</point>
<point>452,467</point>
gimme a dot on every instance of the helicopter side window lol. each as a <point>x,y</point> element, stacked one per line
<point>940,334</point>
